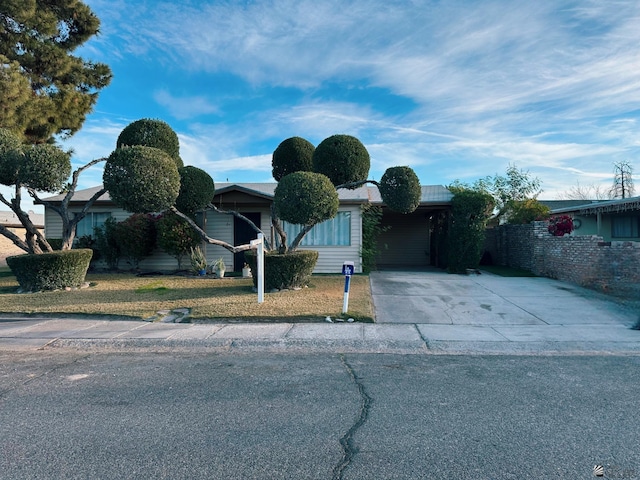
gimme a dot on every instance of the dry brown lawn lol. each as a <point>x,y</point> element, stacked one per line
<point>208,298</point>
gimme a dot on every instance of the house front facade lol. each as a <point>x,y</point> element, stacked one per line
<point>613,220</point>
<point>407,240</point>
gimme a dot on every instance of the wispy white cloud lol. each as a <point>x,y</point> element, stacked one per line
<point>551,86</point>
<point>186,107</point>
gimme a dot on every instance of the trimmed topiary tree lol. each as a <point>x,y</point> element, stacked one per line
<point>151,133</point>
<point>196,190</point>
<point>141,179</point>
<point>294,154</point>
<point>400,189</point>
<point>342,158</point>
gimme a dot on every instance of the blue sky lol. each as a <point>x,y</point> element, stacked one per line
<point>454,89</point>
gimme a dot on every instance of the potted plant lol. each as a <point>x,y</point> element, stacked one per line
<point>246,270</point>
<point>220,267</point>
<point>198,261</point>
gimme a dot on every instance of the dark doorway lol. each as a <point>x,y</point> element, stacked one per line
<point>243,234</point>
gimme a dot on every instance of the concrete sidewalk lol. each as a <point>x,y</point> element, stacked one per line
<point>416,312</point>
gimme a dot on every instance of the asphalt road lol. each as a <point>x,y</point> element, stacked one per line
<point>112,415</point>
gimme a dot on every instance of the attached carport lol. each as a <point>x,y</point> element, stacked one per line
<point>414,240</point>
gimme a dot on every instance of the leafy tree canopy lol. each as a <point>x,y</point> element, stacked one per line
<point>526,211</point>
<point>294,154</point>
<point>516,185</point>
<point>47,90</point>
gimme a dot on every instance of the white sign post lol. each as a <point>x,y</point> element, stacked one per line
<point>348,268</point>
<point>258,246</point>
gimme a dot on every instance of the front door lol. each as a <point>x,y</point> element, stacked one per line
<point>243,234</point>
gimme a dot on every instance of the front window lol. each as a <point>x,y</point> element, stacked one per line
<point>92,220</point>
<point>330,233</point>
<point>625,226</point>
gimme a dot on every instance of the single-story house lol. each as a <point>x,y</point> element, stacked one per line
<point>408,242</point>
<point>613,220</point>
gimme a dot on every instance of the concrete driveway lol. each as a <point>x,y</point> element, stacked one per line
<point>490,308</point>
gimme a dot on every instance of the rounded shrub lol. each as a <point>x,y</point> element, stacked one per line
<point>196,190</point>
<point>400,189</point>
<point>305,198</point>
<point>342,158</point>
<point>284,270</point>
<point>294,154</point>
<point>50,271</point>
<point>141,179</point>
<point>148,132</point>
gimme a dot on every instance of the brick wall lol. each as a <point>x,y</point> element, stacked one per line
<point>583,260</point>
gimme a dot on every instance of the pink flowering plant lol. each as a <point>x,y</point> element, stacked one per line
<point>560,225</point>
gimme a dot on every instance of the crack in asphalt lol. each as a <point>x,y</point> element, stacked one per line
<point>346,442</point>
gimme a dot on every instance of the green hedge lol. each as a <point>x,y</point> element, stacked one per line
<point>288,270</point>
<point>50,271</point>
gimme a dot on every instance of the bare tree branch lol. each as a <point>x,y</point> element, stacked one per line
<point>207,238</point>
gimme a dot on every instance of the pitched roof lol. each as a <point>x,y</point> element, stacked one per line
<point>431,194</point>
<point>10,219</point>
<point>607,206</point>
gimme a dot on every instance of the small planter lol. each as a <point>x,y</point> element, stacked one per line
<point>220,267</point>
<point>202,272</point>
<point>246,272</point>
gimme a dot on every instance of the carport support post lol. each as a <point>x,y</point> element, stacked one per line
<point>258,245</point>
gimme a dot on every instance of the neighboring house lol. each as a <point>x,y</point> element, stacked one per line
<point>408,242</point>
<point>613,220</point>
<point>10,221</point>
